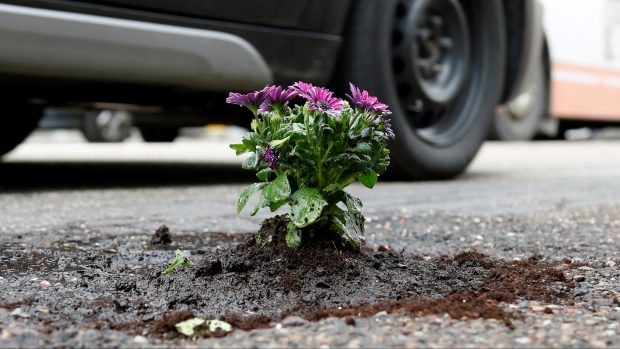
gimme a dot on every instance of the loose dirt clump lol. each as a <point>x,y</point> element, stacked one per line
<point>162,236</point>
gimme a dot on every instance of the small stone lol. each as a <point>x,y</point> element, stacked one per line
<point>384,248</point>
<point>579,278</point>
<point>584,268</point>
<point>293,321</point>
<point>523,340</point>
<point>18,312</point>
<point>610,264</point>
<point>44,284</point>
<point>140,339</point>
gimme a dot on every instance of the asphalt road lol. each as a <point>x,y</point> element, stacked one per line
<point>555,199</point>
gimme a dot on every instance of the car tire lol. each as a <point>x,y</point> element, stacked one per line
<point>440,121</point>
<point>107,126</point>
<point>24,119</point>
<point>521,118</point>
<point>159,134</point>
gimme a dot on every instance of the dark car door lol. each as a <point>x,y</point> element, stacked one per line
<point>310,15</point>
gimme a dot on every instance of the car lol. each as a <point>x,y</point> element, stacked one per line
<point>442,65</point>
<point>575,81</point>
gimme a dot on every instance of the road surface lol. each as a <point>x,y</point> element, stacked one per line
<point>560,200</point>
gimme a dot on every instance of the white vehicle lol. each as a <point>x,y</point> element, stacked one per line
<point>577,82</point>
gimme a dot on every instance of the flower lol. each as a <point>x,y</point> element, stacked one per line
<point>367,102</point>
<point>271,157</point>
<point>303,88</point>
<point>276,98</point>
<point>320,98</point>
<point>252,100</point>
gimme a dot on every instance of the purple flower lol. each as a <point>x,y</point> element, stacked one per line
<point>252,100</point>
<point>303,88</point>
<point>276,98</point>
<point>319,98</point>
<point>271,157</point>
<point>367,102</point>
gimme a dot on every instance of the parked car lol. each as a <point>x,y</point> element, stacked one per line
<point>575,81</point>
<point>442,65</point>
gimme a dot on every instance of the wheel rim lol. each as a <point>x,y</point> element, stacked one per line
<point>432,51</point>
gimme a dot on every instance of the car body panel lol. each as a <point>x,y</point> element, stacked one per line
<point>60,44</point>
<point>306,51</point>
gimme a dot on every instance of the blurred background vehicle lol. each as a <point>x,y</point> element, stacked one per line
<point>576,81</point>
<point>442,65</point>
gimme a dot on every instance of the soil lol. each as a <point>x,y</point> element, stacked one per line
<point>254,285</point>
<point>162,236</point>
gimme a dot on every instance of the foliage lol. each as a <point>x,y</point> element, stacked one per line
<point>179,260</point>
<point>306,155</point>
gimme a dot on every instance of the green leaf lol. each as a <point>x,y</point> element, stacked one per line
<point>278,143</point>
<point>293,236</point>
<point>263,174</point>
<point>276,205</point>
<point>246,193</point>
<point>279,189</point>
<point>239,148</point>
<point>262,203</point>
<point>198,326</point>
<point>339,227</point>
<point>251,162</point>
<point>332,188</point>
<point>366,132</point>
<point>354,218</point>
<point>353,204</point>
<point>363,148</point>
<point>250,141</point>
<point>180,260</point>
<point>306,206</point>
<point>369,179</point>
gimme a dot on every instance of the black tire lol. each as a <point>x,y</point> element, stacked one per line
<point>106,126</point>
<point>372,59</point>
<point>520,119</point>
<point>23,120</point>
<point>159,134</point>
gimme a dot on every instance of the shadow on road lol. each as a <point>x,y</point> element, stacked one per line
<point>28,176</point>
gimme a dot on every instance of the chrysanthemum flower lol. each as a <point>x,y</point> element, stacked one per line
<point>367,102</point>
<point>276,98</point>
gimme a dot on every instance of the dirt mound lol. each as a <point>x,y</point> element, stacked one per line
<point>256,284</point>
<point>253,285</point>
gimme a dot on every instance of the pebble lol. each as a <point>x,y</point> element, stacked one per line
<point>44,284</point>
<point>19,312</point>
<point>293,321</point>
<point>140,339</point>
